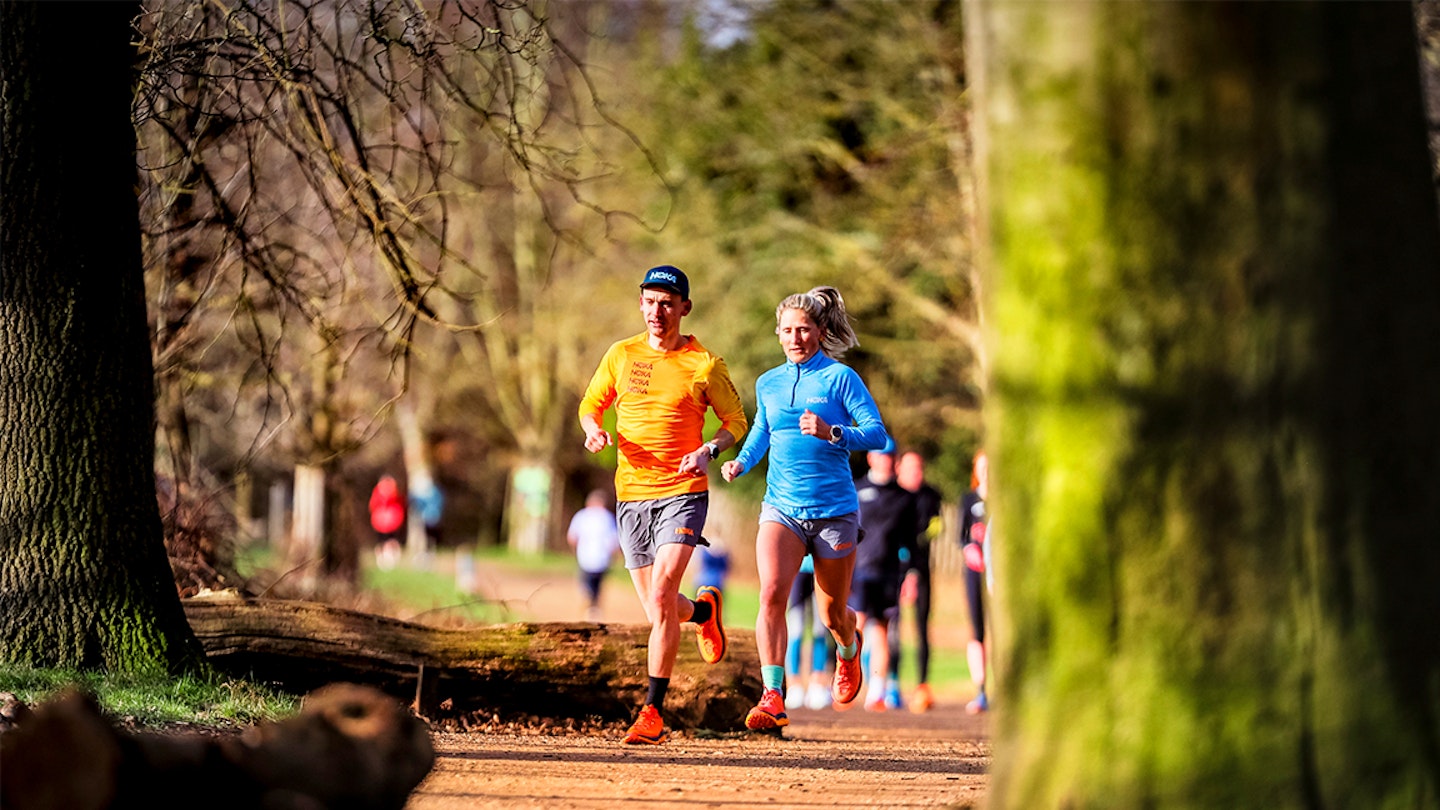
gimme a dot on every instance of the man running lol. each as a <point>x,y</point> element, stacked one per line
<point>661,382</point>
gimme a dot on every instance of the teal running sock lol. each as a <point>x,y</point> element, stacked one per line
<point>848,651</point>
<point>773,676</point>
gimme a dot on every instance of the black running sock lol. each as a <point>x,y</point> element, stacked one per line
<point>703,611</point>
<point>656,696</point>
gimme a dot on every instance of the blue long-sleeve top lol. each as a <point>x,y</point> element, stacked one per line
<point>809,477</point>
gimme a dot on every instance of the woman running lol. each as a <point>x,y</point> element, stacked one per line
<point>811,412</point>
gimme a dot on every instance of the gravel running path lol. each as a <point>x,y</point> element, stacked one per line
<point>825,758</point>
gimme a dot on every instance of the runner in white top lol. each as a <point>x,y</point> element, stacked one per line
<point>595,539</point>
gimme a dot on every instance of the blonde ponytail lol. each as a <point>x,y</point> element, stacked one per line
<point>826,308</point>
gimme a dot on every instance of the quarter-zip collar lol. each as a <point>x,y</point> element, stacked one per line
<point>817,361</point>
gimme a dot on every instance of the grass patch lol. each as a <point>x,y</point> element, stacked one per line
<point>548,562</point>
<point>742,604</point>
<point>947,670</point>
<point>254,558</point>
<point>155,701</point>
<point>418,592</point>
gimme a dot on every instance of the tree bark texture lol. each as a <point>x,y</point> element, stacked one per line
<point>552,670</point>
<point>1214,276</point>
<point>84,580</point>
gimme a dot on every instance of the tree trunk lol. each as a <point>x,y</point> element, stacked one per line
<point>554,670</point>
<point>1215,303</point>
<point>304,548</point>
<point>528,509</point>
<point>419,476</point>
<point>84,580</point>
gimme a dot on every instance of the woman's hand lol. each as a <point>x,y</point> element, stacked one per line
<point>731,470</point>
<point>812,425</point>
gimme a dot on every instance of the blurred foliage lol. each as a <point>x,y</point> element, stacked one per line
<point>524,191</point>
<point>821,148</point>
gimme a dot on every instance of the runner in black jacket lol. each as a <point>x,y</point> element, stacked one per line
<point>887,523</point>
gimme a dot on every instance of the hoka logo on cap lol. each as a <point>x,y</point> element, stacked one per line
<point>668,277</point>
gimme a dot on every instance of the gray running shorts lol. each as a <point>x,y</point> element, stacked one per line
<point>825,538</point>
<point>645,526</point>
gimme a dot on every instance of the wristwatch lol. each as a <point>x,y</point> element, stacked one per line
<point>713,448</point>
<point>835,434</point>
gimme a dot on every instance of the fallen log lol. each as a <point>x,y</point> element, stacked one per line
<point>559,670</point>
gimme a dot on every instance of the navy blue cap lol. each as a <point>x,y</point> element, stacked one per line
<point>668,277</point>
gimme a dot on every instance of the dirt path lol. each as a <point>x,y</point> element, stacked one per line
<point>854,758</point>
<point>825,758</point>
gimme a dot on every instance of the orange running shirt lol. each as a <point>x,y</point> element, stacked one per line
<point>660,400</point>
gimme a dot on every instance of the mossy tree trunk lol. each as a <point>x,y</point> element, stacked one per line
<point>84,581</point>
<point>1215,313</point>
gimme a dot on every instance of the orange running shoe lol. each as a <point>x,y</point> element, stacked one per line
<point>648,728</point>
<point>710,634</point>
<point>849,673</point>
<point>923,699</point>
<point>768,713</point>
